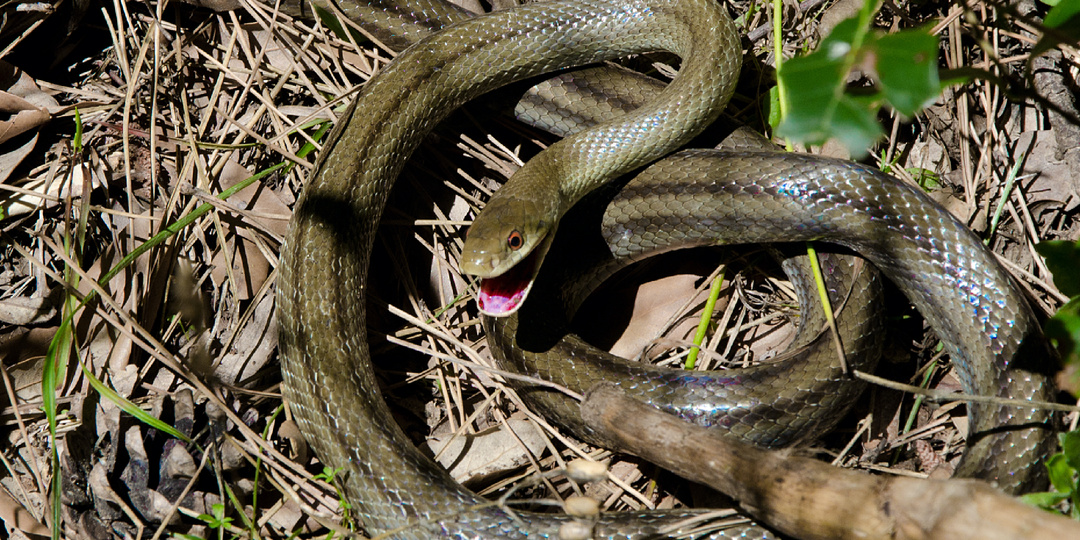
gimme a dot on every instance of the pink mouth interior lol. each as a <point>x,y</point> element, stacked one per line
<point>502,295</point>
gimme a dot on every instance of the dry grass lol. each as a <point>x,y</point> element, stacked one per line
<point>180,104</point>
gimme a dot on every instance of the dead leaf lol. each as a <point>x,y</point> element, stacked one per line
<point>51,187</point>
<point>626,471</point>
<point>23,353</point>
<point>291,432</point>
<point>1056,181</point>
<point>929,155</point>
<point>287,516</point>
<point>11,158</point>
<point>25,310</point>
<point>649,299</point>
<point>253,347</point>
<point>473,457</point>
<point>18,518</point>
<point>654,305</point>
<point>20,117</point>
<point>446,286</point>
<point>275,56</point>
<point>23,106</point>
<point>267,211</point>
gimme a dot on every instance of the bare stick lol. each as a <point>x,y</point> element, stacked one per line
<point>808,499</point>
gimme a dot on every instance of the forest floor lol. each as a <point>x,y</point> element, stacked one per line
<point>121,124</point>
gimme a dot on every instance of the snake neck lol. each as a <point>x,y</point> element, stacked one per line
<point>563,173</point>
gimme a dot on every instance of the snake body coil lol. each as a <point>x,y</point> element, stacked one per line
<point>322,285</point>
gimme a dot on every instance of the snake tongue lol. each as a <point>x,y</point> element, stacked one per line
<point>502,295</point>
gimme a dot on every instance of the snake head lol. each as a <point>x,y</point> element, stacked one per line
<point>505,246</point>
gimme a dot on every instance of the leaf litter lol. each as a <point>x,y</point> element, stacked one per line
<point>175,113</point>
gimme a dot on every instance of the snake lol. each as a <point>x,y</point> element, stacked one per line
<point>971,302</point>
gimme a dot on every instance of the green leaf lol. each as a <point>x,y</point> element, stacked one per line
<point>841,40</point>
<point>856,123</point>
<point>1044,499</point>
<point>927,179</point>
<point>907,70</point>
<point>1062,14</point>
<point>77,141</point>
<point>327,474</point>
<point>1063,331</point>
<point>1062,258</point>
<point>818,106</point>
<point>1063,24</point>
<point>218,520</point>
<point>330,20</point>
<point>1064,327</point>
<point>1061,474</point>
<point>1070,448</point>
<point>131,408</point>
<point>774,107</point>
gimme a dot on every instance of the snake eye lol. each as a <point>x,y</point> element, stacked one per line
<point>515,241</point>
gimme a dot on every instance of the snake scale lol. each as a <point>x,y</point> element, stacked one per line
<point>971,302</point>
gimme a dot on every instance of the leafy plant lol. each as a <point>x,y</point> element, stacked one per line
<point>218,520</point>
<point>1063,331</point>
<point>1062,24</point>
<point>820,105</point>
<point>1064,468</point>
<point>327,475</point>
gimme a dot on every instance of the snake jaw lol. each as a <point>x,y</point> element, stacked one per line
<point>505,246</point>
<point>502,295</point>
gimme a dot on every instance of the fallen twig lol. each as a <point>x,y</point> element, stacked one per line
<point>809,499</point>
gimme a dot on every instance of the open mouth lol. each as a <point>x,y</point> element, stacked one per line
<point>502,295</point>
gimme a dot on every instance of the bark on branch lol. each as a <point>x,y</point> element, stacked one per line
<point>808,499</point>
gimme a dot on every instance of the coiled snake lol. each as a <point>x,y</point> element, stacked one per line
<point>971,302</point>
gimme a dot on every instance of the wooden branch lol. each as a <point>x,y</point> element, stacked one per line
<point>808,499</point>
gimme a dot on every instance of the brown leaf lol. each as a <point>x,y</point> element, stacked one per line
<point>473,457</point>
<point>23,310</point>
<point>23,353</point>
<point>253,347</point>
<point>655,304</point>
<point>20,103</point>
<point>19,518</point>
<point>268,213</point>
<point>10,158</point>
<point>1055,179</point>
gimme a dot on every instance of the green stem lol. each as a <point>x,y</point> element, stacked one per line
<point>703,324</point>
<point>826,305</point>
